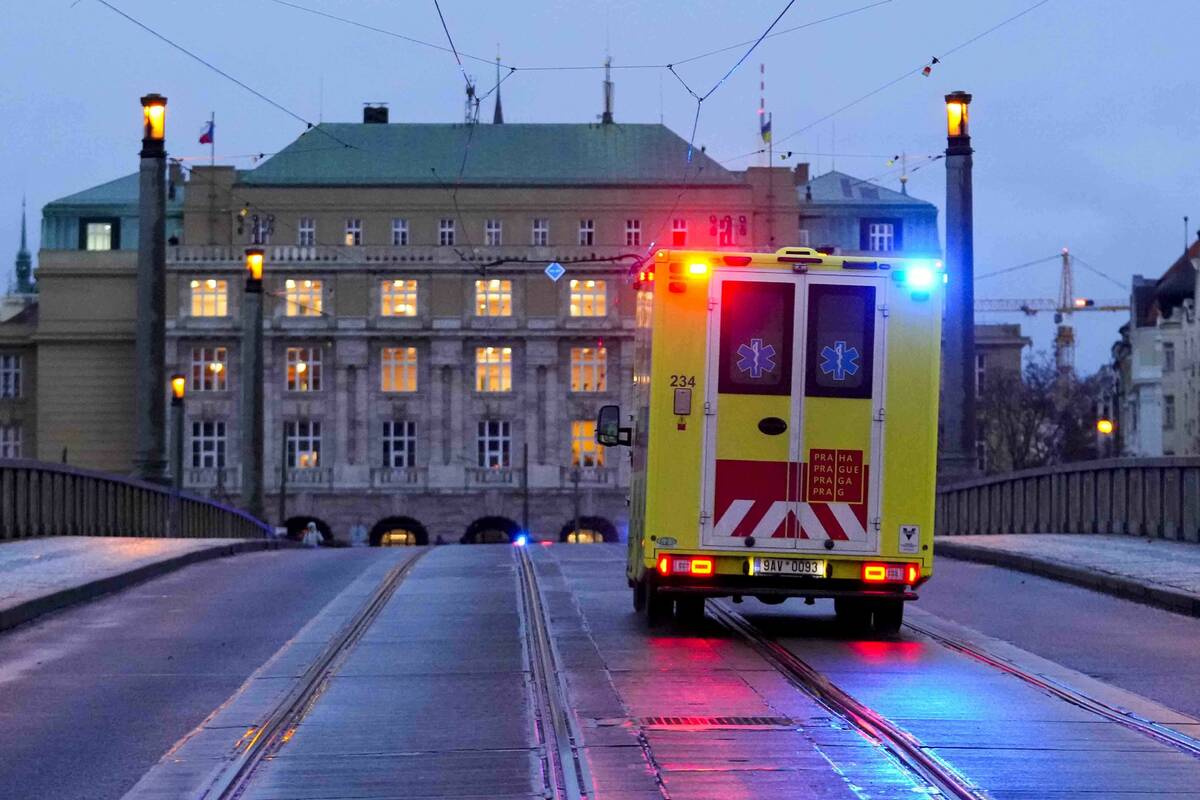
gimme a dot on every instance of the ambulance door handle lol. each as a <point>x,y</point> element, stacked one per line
<point>772,426</point>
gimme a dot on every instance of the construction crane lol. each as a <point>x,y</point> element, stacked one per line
<point>1066,305</point>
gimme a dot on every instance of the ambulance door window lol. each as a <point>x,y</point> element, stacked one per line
<point>756,338</point>
<point>841,341</point>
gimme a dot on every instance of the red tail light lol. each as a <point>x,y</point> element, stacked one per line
<point>891,573</point>
<point>684,565</point>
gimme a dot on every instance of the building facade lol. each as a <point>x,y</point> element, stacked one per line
<point>424,377</point>
<point>1155,373</point>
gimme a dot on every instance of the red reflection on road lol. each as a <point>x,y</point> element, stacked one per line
<point>888,652</point>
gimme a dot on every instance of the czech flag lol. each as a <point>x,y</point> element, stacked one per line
<point>206,136</point>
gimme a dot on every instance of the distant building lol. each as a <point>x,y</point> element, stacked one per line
<point>18,321</point>
<point>423,375</point>
<point>1156,364</point>
<point>858,217</point>
<point>999,349</point>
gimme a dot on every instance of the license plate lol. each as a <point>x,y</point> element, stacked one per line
<point>789,566</point>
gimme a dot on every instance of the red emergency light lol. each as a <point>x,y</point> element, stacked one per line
<point>684,565</point>
<point>890,573</point>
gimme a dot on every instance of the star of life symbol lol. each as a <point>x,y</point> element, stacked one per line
<point>839,361</point>
<point>756,358</point>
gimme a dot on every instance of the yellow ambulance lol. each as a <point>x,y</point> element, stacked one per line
<point>783,431</point>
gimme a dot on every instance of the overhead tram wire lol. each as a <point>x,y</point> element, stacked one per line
<point>223,73</point>
<point>893,81</point>
<point>1018,267</point>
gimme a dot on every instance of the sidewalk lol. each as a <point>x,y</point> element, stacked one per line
<point>1155,571</point>
<point>47,573</point>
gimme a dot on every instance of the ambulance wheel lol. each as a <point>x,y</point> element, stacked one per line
<point>889,616</point>
<point>658,605</point>
<point>853,614</point>
<point>689,609</point>
<point>639,596</point>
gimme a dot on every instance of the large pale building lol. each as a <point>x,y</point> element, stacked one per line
<point>424,376</point>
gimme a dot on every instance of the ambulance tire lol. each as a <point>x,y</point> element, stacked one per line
<point>888,616</point>
<point>659,605</point>
<point>639,596</point>
<point>689,610</point>
<point>853,614</point>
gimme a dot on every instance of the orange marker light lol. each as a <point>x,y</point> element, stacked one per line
<point>911,574</point>
<point>698,268</point>
<point>702,566</point>
<point>664,565</point>
<point>874,573</point>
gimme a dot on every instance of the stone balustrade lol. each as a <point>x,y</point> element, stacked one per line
<point>1155,497</point>
<point>42,499</point>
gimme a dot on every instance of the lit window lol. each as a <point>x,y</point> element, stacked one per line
<point>398,298</point>
<point>306,232</point>
<point>644,310</point>
<point>493,232</point>
<point>210,298</point>
<point>589,368</point>
<point>303,438</point>
<point>493,298</point>
<point>493,369</point>
<point>633,232</point>
<point>587,232</point>
<point>210,369</point>
<point>541,232</point>
<point>446,232</point>
<point>881,236</point>
<point>304,298</point>
<point>399,232</point>
<point>679,232</point>
<point>208,444</point>
<point>399,366</point>
<point>354,232</point>
<point>10,441</point>
<point>495,443</point>
<point>99,235</point>
<point>304,369</point>
<point>10,376</point>
<point>588,298</point>
<point>585,452</point>
<point>399,443</point>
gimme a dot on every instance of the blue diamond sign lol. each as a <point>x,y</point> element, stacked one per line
<point>555,270</point>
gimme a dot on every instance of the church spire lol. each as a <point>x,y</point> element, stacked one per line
<point>24,265</point>
<point>498,114</point>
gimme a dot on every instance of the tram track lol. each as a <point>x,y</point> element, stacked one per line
<point>279,726</point>
<point>565,768</point>
<point>1149,728</point>
<point>903,746</point>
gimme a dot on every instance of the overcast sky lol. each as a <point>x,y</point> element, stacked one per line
<point>1084,119</point>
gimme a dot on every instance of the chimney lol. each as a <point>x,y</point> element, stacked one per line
<point>801,174</point>
<point>375,113</point>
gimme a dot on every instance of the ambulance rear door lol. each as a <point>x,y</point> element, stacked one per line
<point>794,391</point>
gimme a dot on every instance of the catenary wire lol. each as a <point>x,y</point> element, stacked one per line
<point>892,82</point>
<point>220,71</point>
<point>1017,267</point>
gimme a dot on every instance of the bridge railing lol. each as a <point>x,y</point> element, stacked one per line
<point>1155,497</point>
<point>42,499</point>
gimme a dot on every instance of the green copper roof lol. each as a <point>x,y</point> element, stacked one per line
<point>509,154</point>
<point>838,188</point>
<point>116,192</point>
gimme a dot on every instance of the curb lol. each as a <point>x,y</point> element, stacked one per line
<point>1177,600</point>
<point>31,609</point>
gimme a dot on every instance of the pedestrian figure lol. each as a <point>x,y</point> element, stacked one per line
<point>312,537</point>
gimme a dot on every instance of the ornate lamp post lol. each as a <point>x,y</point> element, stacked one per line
<point>150,346</point>
<point>252,385</point>
<point>958,332</point>
<point>178,387</point>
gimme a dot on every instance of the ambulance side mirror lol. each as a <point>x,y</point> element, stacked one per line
<point>609,432</point>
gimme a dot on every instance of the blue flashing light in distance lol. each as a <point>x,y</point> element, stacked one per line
<point>521,540</point>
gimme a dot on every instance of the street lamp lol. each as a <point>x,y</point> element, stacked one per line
<point>252,385</point>
<point>178,387</point>
<point>958,356</point>
<point>150,328</point>
<point>1105,427</point>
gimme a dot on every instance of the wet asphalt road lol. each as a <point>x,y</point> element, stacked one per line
<point>91,697</point>
<point>1148,651</point>
<point>438,699</point>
